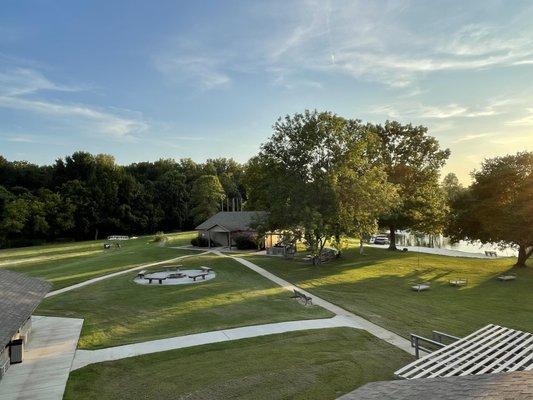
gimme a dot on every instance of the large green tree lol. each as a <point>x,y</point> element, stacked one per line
<point>412,160</point>
<point>316,179</point>
<point>498,205</point>
<point>206,194</point>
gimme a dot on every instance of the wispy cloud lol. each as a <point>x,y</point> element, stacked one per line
<point>17,84</point>
<point>188,62</point>
<point>474,136</point>
<point>447,111</point>
<point>20,81</point>
<point>524,121</point>
<point>371,41</point>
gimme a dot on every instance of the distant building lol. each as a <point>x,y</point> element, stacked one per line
<point>222,228</point>
<point>19,297</point>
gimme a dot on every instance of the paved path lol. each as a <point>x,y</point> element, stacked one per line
<point>86,357</point>
<point>447,252</point>
<point>368,326</point>
<point>47,360</point>
<point>101,278</point>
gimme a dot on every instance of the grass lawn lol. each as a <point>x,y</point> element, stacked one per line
<point>317,364</point>
<point>69,263</point>
<point>119,311</point>
<point>377,287</point>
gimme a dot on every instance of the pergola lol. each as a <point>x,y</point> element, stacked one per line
<point>489,350</point>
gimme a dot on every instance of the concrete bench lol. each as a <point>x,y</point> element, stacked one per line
<point>206,269</point>
<point>141,274</point>
<point>195,277</point>
<point>157,279</point>
<point>420,287</point>
<point>505,278</point>
<point>302,296</point>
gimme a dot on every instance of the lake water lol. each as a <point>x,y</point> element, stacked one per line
<point>442,242</point>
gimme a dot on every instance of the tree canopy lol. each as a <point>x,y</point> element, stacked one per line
<point>317,179</point>
<point>498,205</point>
<point>412,161</point>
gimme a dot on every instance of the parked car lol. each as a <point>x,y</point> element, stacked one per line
<point>381,239</point>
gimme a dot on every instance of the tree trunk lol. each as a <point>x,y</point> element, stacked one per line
<point>361,247</point>
<point>524,253</point>
<point>96,234</point>
<point>392,238</point>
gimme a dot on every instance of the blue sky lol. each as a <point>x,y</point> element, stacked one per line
<point>146,80</point>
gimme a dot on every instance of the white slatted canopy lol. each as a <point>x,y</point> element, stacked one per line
<point>492,349</point>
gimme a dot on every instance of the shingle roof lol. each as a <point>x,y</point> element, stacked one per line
<point>19,296</point>
<point>516,385</point>
<point>232,220</point>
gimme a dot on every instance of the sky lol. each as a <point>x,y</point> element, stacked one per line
<point>144,80</point>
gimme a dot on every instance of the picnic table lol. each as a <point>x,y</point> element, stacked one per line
<point>458,282</point>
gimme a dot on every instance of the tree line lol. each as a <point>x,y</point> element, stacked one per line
<point>85,196</point>
<point>321,177</point>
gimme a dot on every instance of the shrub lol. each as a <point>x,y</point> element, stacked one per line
<point>160,237</point>
<point>245,243</point>
<point>200,242</point>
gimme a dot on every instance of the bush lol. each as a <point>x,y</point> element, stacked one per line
<point>200,242</point>
<point>245,243</point>
<point>160,237</point>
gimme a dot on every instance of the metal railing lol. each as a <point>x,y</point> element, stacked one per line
<point>420,343</point>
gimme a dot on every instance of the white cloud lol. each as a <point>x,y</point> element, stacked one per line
<point>524,121</point>
<point>187,62</point>
<point>474,136</point>
<point>20,81</point>
<point>447,111</point>
<point>17,84</point>
<point>374,41</point>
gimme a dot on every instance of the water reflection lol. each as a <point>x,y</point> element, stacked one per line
<point>442,242</point>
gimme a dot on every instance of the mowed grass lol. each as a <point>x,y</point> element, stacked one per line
<point>119,311</point>
<point>376,286</point>
<point>70,263</point>
<point>318,364</point>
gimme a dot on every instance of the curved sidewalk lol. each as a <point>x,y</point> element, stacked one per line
<point>86,357</point>
<point>370,327</point>
<point>125,271</point>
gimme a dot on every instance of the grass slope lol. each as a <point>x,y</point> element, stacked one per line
<point>377,287</point>
<point>119,311</point>
<point>318,364</point>
<point>70,263</point>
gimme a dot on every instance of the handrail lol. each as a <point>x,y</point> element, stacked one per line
<point>438,336</point>
<point>415,342</point>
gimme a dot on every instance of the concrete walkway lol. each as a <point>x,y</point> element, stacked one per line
<point>86,357</point>
<point>47,360</point>
<point>103,277</point>
<point>370,327</point>
<point>442,252</point>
